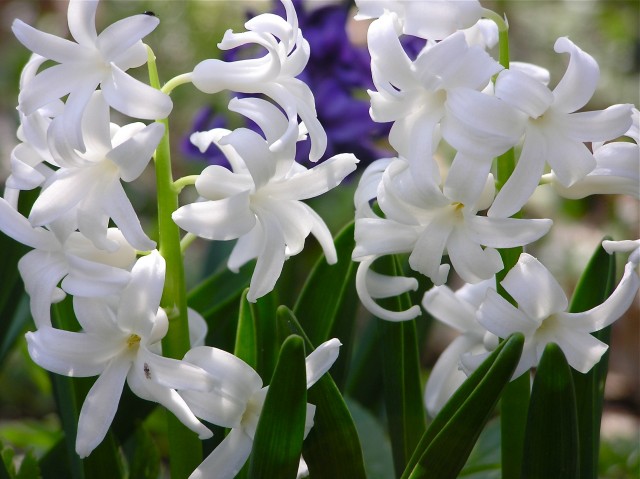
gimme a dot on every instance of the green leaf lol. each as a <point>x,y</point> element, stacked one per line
<point>447,443</point>
<point>551,442</point>
<point>328,295</point>
<point>277,445</point>
<point>218,290</point>
<point>401,379</point>
<point>246,347</point>
<point>594,286</point>
<point>144,461</point>
<point>376,448</point>
<point>332,448</point>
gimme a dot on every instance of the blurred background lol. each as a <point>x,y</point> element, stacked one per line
<point>189,32</point>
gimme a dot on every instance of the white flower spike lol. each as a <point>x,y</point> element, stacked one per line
<point>542,318</point>
<point>87,185</point>
<point>272,75</point>
<point>236,402</point>
<point>120,341</point>
<point>61,254</point>
<point>554,132</point>
<point>259,202</point>
<point>90,61</point>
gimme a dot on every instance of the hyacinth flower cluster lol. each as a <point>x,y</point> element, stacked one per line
<point>109,300</point>
<point>454,92</point>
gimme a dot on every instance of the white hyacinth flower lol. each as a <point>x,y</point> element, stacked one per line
<point>457,310</point>
<point>617,169</point>
<point>90,61</point>
<point>62,254</point>
<point>120,341</point>
<point>272,75</point>
<point>553,132</point>
<point>429,19</point>
<point>237,400</point>
<point>428,224</point>
<point>542,318</point>
<point>442,87</point>
<point>88,185</point>
<point>259,200</point>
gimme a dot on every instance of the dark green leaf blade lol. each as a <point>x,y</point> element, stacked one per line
<point>445,446</point>
<point>277,445</point>
<point>551,442</point>
<point>594,286</point>
<point>246,347</point>
<point>332,448</point>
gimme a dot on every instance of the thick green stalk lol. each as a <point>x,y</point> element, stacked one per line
<point>184,446</point>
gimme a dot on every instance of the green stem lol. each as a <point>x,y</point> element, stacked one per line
<point>184,446</point>
<point>179,184</point>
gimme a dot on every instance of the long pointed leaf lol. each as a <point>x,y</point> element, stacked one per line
<point>277,445</point>
<point>332,448</point>
<point>594,287</point>
<point>551,442</point>
<point>246,347</point>
<point>445,446</point>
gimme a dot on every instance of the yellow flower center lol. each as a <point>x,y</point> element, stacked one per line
<point>133,340</point>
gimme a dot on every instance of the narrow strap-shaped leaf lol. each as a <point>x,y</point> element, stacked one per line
<point>401,378</point>
<point>551,442</point>
<point>277,445</point>
<point>219,289</point>
<point>325,307</point>
<point>595,285</point>
<point>246,347</point>
<point>445,446</point>
<point>269,342</point>
<point>332,448</point>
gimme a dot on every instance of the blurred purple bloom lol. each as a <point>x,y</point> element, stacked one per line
<point>337,71</point>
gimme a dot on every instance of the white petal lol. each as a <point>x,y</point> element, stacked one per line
<point>81,17</point>
<point>438,19</point>
<point>506,232</point>
<point>523,92</point>
<point>582,350</point>
<point>133,155</point>
<point>141,298</point>
<point>380,236</point>
<point>601,125</point>
<point>535,290</point>
<point>224,219</point>
<point>216,182</point>
<point>227,459</point>
<point>426,256</point>
<point>134,98</point>
<point>44,44</point>
<point>254,151</point>
<point>197,328</point>
<point>270,260</point>
<point>470,260</point>
<point>97,316</point>
<point>384,286</point>
<point>13,224</point>
<point>124,34</point>
<point>70,354</point>
<point>501,318</point>
<point>445,377</point>
<point>169,398</point>
<point>119,208</point>
<point>321,232</point>
<point>100,407</point>
<point>315,181</point>
<point>387,52</point>
<point>524,178</point>
<point>611,310</point>
<point>41,273</point>
<point>371,305</point>
<point>466,178</point>
<point>570,160</point>
<point>91,279</point>
<point>320,360</point>
<point>266,115</point>
<point>171,373</point>
<point>444,305</point>
<point>579,81</point>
